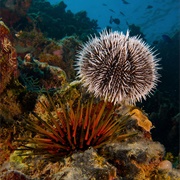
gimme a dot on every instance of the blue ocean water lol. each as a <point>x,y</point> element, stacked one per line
<point>154,17</point>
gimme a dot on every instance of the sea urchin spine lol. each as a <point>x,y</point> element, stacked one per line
<point>75,127</point>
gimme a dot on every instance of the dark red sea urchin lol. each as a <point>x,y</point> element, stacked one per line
<point>117,67</point>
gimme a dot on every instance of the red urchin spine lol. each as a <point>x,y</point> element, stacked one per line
<point>77,127</point>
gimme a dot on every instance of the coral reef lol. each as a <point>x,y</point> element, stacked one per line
<point>51,128</point>
<point>36,76</point>
<point>144,158</point>
<point>18,90</point>
<point>60,54</point>
<point>137,156</point>
<point>54,21</point>
<point>24,43</point>
<point>16,9</point>
<point>37,19</point>
<point>87,165</point>
<point>21,80</point>
<point>57,23</point>
<point>15,175</point>
<point>8,61</point>
<point>9,73</point>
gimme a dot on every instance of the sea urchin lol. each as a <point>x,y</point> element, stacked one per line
<point>117,67</point>
<point>74,126</point>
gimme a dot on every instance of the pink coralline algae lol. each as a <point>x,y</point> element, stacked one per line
<point>8,61</point>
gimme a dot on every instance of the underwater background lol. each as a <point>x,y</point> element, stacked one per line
<point>39,41</point>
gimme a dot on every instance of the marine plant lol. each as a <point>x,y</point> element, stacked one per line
<point>74,125</point>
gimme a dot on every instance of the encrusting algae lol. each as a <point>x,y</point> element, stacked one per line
<point>138,115</point>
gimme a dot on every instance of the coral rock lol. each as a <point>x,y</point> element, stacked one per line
<point>136,160</point>
<point>87,165</point>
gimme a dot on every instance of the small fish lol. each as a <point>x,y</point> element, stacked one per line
<point>127,23</point>
<point>125,2</point>
<point>122,13</point>
<point>166,38</point>
<point>114,20</point>
<point>112,10</point>
<point>104,4</point>
<point>149,7</point>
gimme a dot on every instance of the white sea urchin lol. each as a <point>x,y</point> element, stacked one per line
<point>117,67</point>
